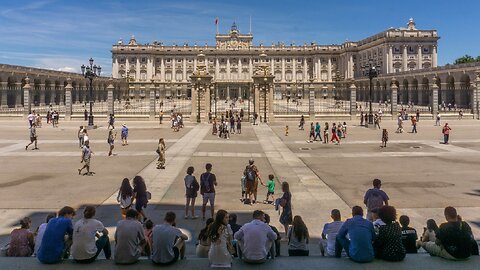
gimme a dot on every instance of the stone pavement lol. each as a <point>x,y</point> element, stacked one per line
<point>321,178</point>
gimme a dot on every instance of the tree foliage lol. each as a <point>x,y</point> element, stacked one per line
<point>467,59</point>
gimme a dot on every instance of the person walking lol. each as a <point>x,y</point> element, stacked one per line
<point>160,117</point>
<point>111,121</point>
<point>311,135</point>
<point>384,138</point>
<point>140,195</point>
<point>191,189</point>
<point>361,119</point>
<point>286,203</point>
<point>125,197</point>
<point>85,114</point>
<point>161,154</point>
<point>325,133</point>
<point>413,119</point>
<point>239,125</point>
<point>124,134</point>
<point>86,156</point>
<point>334,134</point>
<point>302,123</point>
<point>112,135</point>
<point>446,133</point>
<point>33,137</point>
<point>252,176</point>
<point>80,135</point>
<point>437,119</point>
<point>208,181</point>
<point>317,132</point>
<point>375,198</point>
<point>399,124</point>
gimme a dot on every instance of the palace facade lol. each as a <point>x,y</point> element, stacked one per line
<point>233,59</point>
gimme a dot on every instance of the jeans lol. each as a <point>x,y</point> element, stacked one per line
<point>103,243</point>
<point>341,243</point>
<point>414,129</point>
<point>317,135</point>
<point>445,138</point>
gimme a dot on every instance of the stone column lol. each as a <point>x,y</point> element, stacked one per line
<point>193,116</point>
<point>270,103</point>
<point>434,56</point>
<point>68,99</point>
<point>353,101</point>
<point>257,100</point>
<point>434,98</point>
<point>27,105</point>
<point>228,68</point>
<point>393,95</point>
<point>390,59</point>
<point>42,90</point>
<point>4,89</point>
<point>329,66</point>
<point>61,98</point>
<point>404,58</point>
<point>18,91</point>
<point>151,102</point>
<point>206,103</point>
<point>419,56</point>
<point>311,102</point>
<point>110,98</point>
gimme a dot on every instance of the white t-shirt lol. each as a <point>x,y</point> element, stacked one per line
<point>38,239</point>
<point>331,230</point>
<point>84,231</point>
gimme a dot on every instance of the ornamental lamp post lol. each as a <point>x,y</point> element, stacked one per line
<point>371,72</point>
<point>89,72</point>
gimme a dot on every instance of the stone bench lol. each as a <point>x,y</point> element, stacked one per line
<point>412,261</point>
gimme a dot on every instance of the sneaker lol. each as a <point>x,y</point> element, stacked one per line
<point>186,217</point>
<point>36,148</point>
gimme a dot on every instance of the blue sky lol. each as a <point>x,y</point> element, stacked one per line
<point>63,35</point>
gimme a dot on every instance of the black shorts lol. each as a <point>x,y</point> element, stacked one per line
<point>270,193</point>
<point>32,139</point>
<point>176,253</point>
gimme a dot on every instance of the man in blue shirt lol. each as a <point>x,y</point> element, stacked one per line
<point>361,233</point>
<point>53,247</point>
<point>375,198</point>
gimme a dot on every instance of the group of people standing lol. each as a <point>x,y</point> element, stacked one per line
<point>337,131</point>
<point>226,126</point>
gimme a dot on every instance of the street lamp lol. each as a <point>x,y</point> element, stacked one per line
<point>201,80</point>
<point>371,72</point>
<point>91,71</point>
<point>263,79</point>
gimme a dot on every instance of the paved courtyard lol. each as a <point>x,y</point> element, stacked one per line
<point>420,175</point>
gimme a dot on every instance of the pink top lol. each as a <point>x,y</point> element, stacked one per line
<point>19,243</point>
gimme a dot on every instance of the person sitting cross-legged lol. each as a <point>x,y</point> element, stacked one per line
<point>388,243</point>
<point>329,233</point>
<point>409,235</point>
<point>129,239</point>
<point>255,239</point>
<point>85,249</point>
<point>453,239</point>
<point>359,247</point>
<point>168,242</point>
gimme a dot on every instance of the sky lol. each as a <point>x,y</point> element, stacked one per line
<point>64,34</point>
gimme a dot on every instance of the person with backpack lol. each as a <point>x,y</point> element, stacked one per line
<point>375,198</point>
<point>208,181</point>
<point>125,197</point>
<point>191,188</point>
<point>454,238</point>
<point>251,181</point>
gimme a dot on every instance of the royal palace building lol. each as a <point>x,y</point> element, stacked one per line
<point>232,62</point>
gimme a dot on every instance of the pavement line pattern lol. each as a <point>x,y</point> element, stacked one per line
<point>308,190</point>
<point>177,155</point>
<point>385,154</point>
<point>228,154</point>
<point>433,142</point>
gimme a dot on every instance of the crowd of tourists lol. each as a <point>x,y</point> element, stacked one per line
<point>228,123</point>
<point>333,134</point>
<point>369,235</point>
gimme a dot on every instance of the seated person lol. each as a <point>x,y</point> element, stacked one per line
<point>203,242</point>
<point>148,230</point>
<point>84,248</point>
<point>277,241</point>
<point>429,233</point>
<point>21,240</point>
<point>359,247</point>
<point>54,247</point>
<point>454,238</point>
<point>377,221</point>
<point>329,233</point>
<point>409,235</point>
<point>298,238</point>
<point>388,243</point>
<point>129,239</point>
<point>255,239</point>
<point>41,230</point>
<point>168,242</point>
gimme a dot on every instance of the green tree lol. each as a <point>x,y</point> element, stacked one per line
<point>466,59</point>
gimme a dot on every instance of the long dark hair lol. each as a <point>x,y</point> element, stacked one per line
<point>126,189</point>
<point>432,225</point>
<point>300,229</point>
<point>139,185</point>
<point>202,236</point>
<point>215,226</point>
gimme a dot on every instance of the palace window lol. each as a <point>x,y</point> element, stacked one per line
<point>425,49</point>
<point>144,60</point>
<point>132,60</point>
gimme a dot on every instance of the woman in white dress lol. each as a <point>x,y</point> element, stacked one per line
<point>221,237</point>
